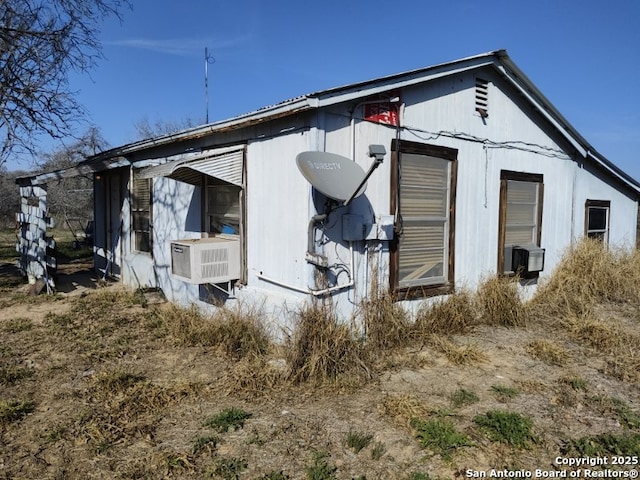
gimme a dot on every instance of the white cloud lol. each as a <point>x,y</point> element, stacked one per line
<point>180,46</point>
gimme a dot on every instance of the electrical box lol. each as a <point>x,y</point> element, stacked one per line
<point>382,229</point>
<point>524,259</point>
<point>353,227</point>
<point>206,260</point>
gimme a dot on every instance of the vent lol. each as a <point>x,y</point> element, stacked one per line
<point>482,97</point>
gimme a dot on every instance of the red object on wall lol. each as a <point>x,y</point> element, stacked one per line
<point>383,112</point>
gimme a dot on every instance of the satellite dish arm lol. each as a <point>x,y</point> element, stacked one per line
<point>377,151</point>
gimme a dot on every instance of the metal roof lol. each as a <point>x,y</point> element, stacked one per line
<point>498,59</point>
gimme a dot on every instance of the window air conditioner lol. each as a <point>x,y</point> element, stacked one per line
<point>206,260</point>
<point>527,259</point>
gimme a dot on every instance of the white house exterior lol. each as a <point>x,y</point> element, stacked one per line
<point>477,161</point>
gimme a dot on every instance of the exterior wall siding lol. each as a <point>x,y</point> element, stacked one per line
<point>280,202</point>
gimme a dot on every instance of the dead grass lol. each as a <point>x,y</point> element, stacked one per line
<point>454,314</point>
<point>387,325</point>
<point>548,351</point>
<point>500,304</point>
<point>238,332</point>
<point>590,273</point>
<point>456,353</point>
<point>323,350</point>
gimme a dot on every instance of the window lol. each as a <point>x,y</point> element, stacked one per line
<point>141,214</point>
<point>423,199</point>
<point>222,208</point>
<point>520,222</point>
<point>597,219</point>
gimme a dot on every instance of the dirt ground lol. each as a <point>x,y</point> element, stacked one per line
<point>55,365</point>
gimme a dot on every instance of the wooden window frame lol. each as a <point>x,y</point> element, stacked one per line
<point>242,236</point>
<point>505,177</point>
<point>134,210</point>
<point>450,154</point>
<point>597,204</point>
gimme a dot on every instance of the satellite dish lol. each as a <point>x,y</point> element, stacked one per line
<point>335,176</point>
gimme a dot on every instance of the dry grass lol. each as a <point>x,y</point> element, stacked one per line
<point>590,273</point>
<point>238,332</point>
<point>387,325</point>
<point>323,350</point>
<point>455,313</point>
<point>548,351</point>
<point>403,408</point>
<point>456,353</point>
<point>500,304</point>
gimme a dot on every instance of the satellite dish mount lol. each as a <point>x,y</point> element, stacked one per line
<point>339,179</point>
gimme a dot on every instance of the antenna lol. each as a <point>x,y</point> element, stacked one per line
<point>208,60</point>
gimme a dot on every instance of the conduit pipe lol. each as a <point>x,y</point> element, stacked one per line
<point>309,291</point>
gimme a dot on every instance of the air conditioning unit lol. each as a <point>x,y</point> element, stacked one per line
<point>206,260</point>
<point>525,259</point>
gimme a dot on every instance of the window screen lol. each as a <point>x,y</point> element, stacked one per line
<point>141,214</point>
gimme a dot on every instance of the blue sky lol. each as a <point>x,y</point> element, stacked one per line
<point>583,55</point>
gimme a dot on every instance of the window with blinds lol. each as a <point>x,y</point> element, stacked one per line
<point>423,195</point>
<point>522,213</point>
<point>141,214</point>
<point>521,197</point>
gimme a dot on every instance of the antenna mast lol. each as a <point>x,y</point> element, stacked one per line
<point>208,60</point>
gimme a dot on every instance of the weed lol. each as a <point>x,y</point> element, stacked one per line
<point>440,436</point>
<point>507,427</point>
<point>321,468</point>
<point>357,441</point>
<point>626,416</point>
<point>590,272</point>
<point>500,302</point>
<point>229,468</point>
<point>229,419</point>
<point>12,375</point>
<point>403,408</point>
<point>178,461</point>
<point>457,354</point>
<point>549,352</point>
<point>323,350</point>
<point>238,333</point>
<point>504,393</point>
<point>576,383</point>
<point>455,314</point>
<point>19,324</point>
<point>117,380</point>
<point>279,475</point>
<point>378,451</point>
<point>386,323</point>
<point>12,411</point>
<point>463,396</point>
<point>419,476</point>
<point>207,443</point>
<point>604,444</point>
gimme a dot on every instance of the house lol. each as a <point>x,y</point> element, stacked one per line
<point>477,174</point>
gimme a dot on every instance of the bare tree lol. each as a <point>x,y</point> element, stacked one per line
<point>72,196</point>
<point>146,129</point>
<point>41,43</point>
